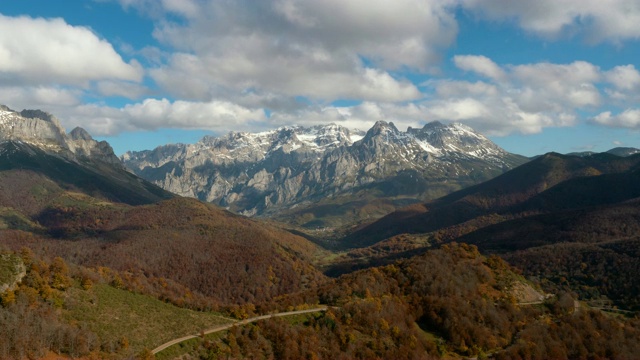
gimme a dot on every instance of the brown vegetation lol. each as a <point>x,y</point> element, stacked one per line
<point>227,258</point>
<point>447,302</point>
<point>31,315</point>
<point>516,192</point>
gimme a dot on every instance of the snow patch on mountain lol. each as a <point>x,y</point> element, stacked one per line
<point>41,129</point>
<point>254,172</point>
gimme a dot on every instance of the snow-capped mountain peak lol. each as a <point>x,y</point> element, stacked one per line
<point>255,172</point>
<point>43,130</point>
<point>456,137</point>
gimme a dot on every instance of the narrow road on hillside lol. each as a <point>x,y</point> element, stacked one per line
<point>538,302</point>
<point>237,323</point>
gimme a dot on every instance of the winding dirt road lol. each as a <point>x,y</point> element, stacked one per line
<point>237,323</point>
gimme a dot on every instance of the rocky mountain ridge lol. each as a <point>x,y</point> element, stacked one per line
<point>255,173</point>
<point>43,130</point>
<point>617,151</point>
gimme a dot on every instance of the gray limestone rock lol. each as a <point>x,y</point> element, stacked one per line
<point>43,130</point>
<point>258,173</point>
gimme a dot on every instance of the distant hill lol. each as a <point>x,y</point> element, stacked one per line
<point>624,151</point>
<point>618,151</point>
<point>593,225</point>
<point>506,193</point>
<point>594,251</point>
<point>571,221</point>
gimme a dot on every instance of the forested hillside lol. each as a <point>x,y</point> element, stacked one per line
<point>548,183</point>
<point>225,257</point>
<point>451,302</point>
<point>579,235</point>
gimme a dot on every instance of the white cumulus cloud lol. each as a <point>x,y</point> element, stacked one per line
<point>228,62</point>
<point>624,77</point>
<point>479,64</point>
<point>153,114</point>
<point>43,51</point>
<point>595,20</point>
<point>524,98</point>
<point>323,50</point>
<point>558,85</point>
<point>38,97</point>
<point>361,116</point>
<point>629,118</point>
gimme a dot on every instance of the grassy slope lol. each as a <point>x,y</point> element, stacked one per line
<point>192,346</point>
<point>145,322</point>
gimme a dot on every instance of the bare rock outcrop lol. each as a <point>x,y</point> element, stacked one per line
<point>44,130</point>
<point>256,173</point>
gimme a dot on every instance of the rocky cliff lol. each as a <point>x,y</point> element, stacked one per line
<point>41,129</point>
<point>254,173</point>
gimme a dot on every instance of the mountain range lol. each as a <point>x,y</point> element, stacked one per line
<point>619,151</point>
<point>296,169</point>
<point>68,187</point>
<point>87,249</point>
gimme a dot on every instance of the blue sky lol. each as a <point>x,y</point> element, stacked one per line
<point>549,75</point>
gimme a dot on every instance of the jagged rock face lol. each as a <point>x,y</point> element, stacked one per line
<point>262,172</point>
<point>82,144</point>
<point>43,130</point>
<point>32,126</point>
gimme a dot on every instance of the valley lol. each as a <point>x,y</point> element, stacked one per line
<point>450,248</point>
